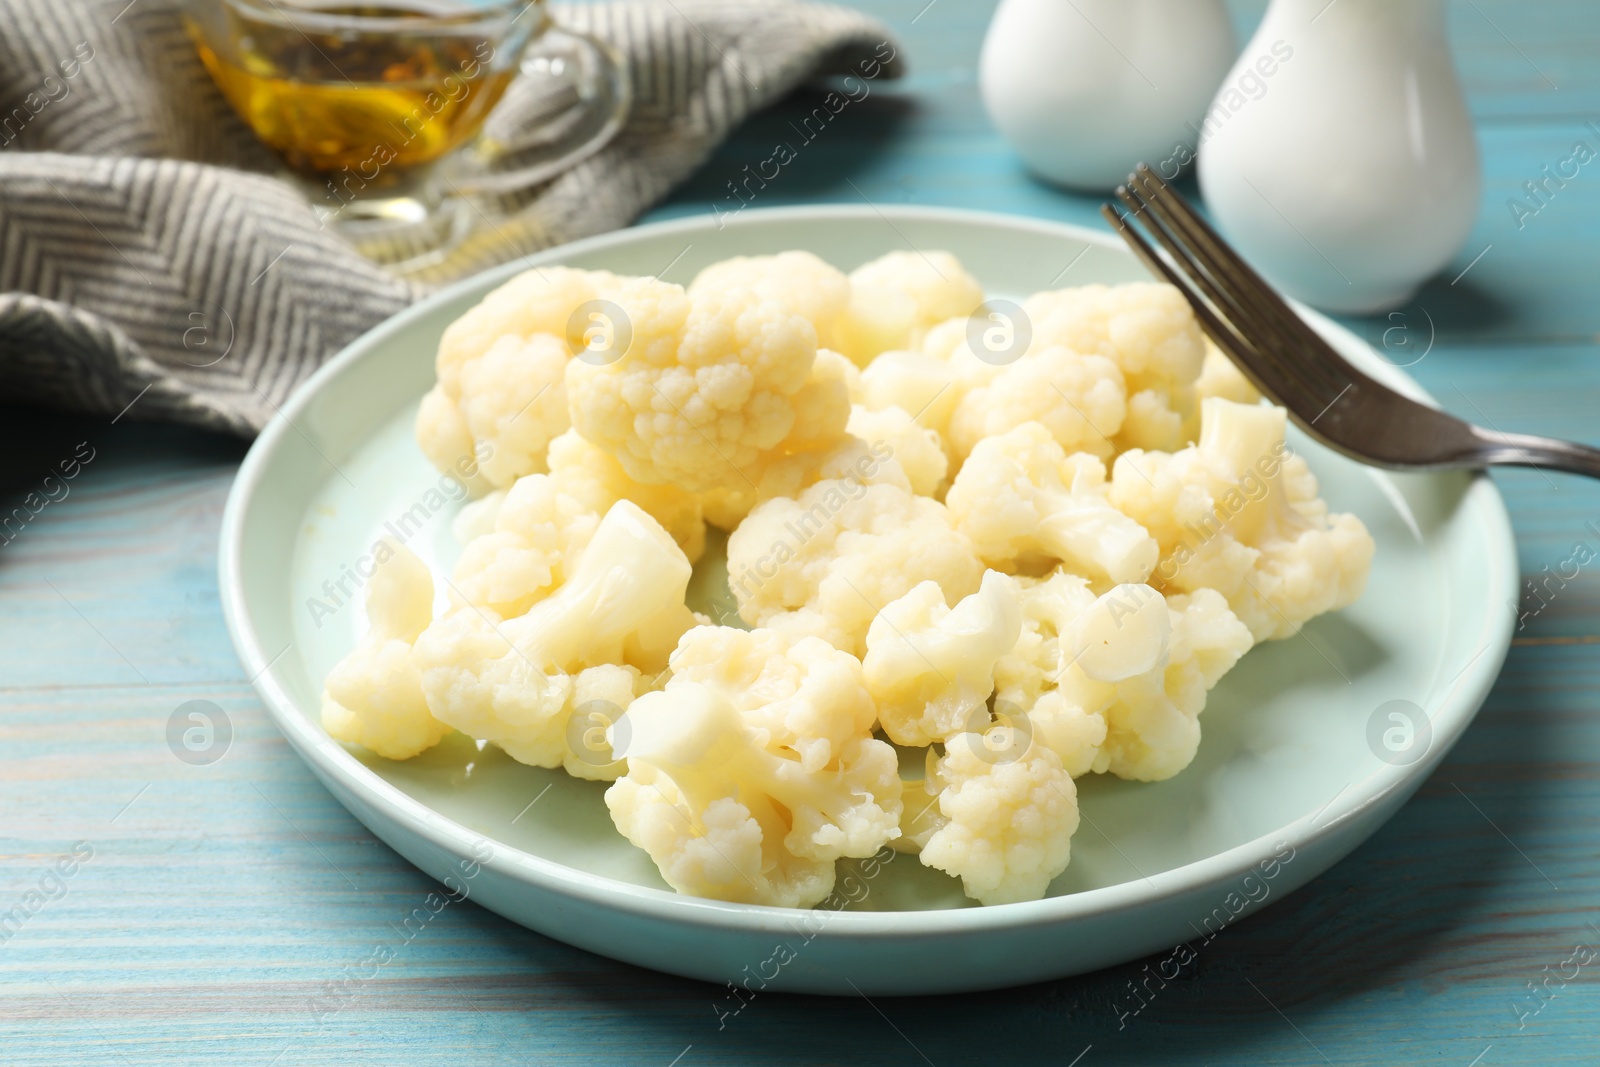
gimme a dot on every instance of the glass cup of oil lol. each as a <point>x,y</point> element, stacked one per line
<point>412,123</point>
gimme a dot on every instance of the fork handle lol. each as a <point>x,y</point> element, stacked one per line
<point>1525,450</point>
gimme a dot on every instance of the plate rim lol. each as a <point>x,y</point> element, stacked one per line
<point>331,762</point>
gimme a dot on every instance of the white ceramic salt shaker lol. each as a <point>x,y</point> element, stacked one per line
<point>1085,89</point>
<point>1350,175</point>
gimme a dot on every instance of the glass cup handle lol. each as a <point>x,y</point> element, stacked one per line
<point>572,97</point>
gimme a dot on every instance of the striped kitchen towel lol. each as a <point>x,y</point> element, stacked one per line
<point>143,232</point>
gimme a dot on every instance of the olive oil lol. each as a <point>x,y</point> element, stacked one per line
<point>374,101</point>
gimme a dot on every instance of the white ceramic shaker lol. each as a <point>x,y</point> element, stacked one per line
<point>1350,174</point>
<point>1085,89</point>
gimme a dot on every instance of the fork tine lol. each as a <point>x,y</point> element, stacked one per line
<point>1283,383</point>
<point>1284,347</point>
<point>1300,345</point>
<point>1204,234</point>
<point>1234,311</point>
<point>1287,360</point>
<point>1216,318</point>
<point>1223,331</point>
<point>1265,374</point>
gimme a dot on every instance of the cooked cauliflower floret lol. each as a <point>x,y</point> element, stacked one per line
<point>821,406</point>
<point>726,506</point>
<point>787,474</point>
<point>477,517</point>
<point>807,695</point>
<point>812,289</point>
<point>1026,676</point>
<point>544,521</point>
<point>1123,633</point>
<point>1117,683</point>
<point>1080,399</point>
<point>850,460</point>
<point>896,298</point>
<point>1149,331</point>
<point>922,385</point>
<point>538,301</point>
<point>1006,819</point>
<point>1239,513</point>
<point>1023,500</point>
<point>595,477</point>
<point>1155,419</point>
<point>501,368</point>
<point>754,769</point>
<point>816,447</point>
<point>511,682</point>
<point>1064,727</point>
<point>442,435</point>
<point>513,397</point>
<point>373,697</point>
<point>825,562</point>
<point>931,667</point>
<point>1153,716</point>
<point>918,450</point>
<point>709,388</point>
<point>601,696</point>
<point>1222,379</point>
<point>1219,377</point>
<point>539,531</point>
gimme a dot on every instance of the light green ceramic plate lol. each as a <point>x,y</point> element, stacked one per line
<point>1306,750</point>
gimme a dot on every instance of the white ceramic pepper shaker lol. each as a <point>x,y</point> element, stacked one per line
<point>1352,175</point>
<point>1085,89</point>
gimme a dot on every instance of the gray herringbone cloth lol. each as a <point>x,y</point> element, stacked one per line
<point>141,222</point>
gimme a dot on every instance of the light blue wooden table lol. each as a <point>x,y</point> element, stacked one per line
<point>207,905</point>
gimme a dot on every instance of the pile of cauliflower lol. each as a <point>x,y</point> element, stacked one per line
<point>963,578</point>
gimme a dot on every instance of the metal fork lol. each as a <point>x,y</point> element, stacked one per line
<point>1285,358</point>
